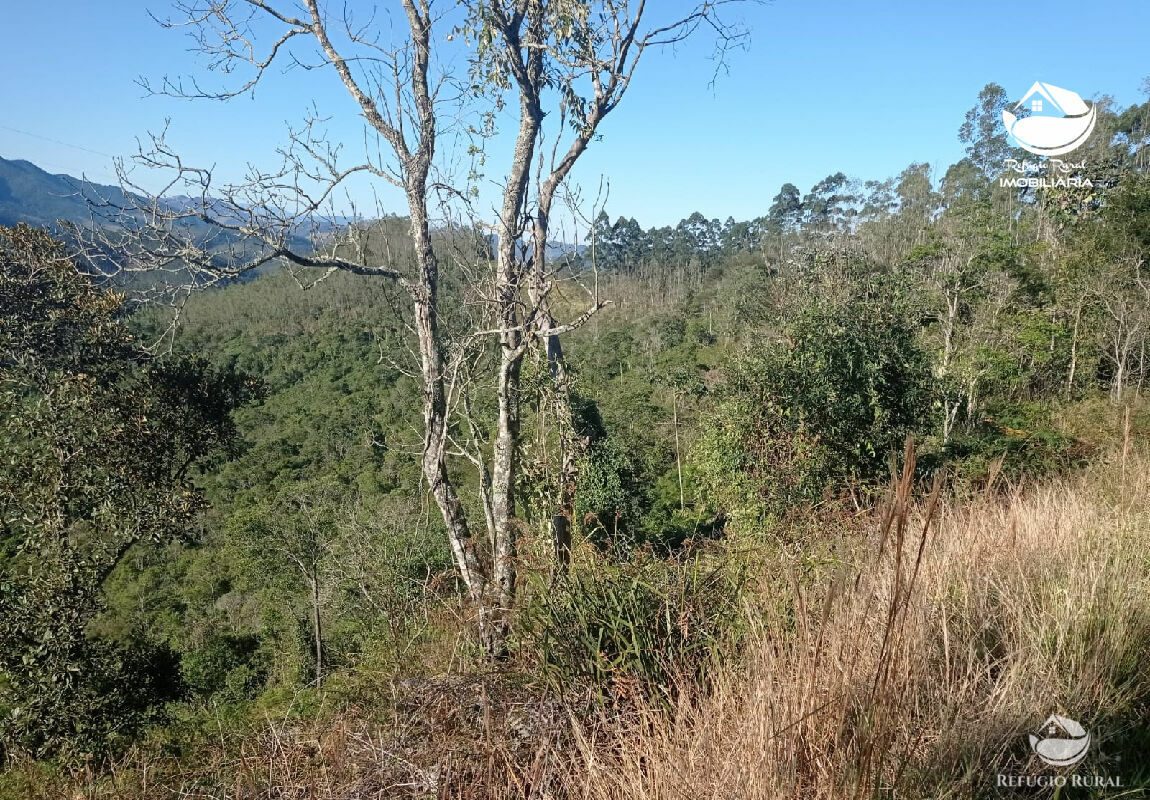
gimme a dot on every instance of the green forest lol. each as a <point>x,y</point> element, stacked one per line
<point>829,502</point>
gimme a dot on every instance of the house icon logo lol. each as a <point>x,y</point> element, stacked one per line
<point>1061,741</point>
<point>1050,121</point>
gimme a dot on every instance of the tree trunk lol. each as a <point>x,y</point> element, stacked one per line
<point>1119,374</point>
<point>1141,368</point>
<point>570,444</point>
<point>425,299</point>
<point>1073,351</point>
<point>503,476</point>
<point>563,515</point>
<point>949,415</point>
<point>949,322</point>
<point>678,458</point>
<point>317,629</point>
<point>948,326</point>
<point>508,278</point>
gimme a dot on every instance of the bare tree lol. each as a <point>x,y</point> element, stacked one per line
<point>586,55</point>
<point>1124,294</point>
<point>578,56</point>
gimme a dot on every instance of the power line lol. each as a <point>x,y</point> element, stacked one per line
<point>56,141</point>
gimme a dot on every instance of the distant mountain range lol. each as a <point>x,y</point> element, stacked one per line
<point>29,194</point>
<point>32,195</point>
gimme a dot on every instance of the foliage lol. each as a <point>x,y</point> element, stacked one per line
<point>826,405</point>
<point>745,370</point>
<point>228,668</point>
<point>1022,440</point>
<point>611,492</point>
<point>100,444</point>
<point>641,628</point>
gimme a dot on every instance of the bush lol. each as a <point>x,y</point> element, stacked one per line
<point>824,408</point>
<point>93,705</point>
<point>99,441</point>
<point>226,667</point>
<point>611,495</point>
<point>641,628</point>
<point>1023,438</point>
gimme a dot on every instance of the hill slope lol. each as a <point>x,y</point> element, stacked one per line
<point>29,194</point>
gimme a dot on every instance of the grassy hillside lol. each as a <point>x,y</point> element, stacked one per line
<point>921,661</point>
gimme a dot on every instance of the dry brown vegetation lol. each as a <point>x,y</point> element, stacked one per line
<point>919,672</point>
<point>910,664</point>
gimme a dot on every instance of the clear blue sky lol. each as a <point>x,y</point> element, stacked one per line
<point>865,88</point>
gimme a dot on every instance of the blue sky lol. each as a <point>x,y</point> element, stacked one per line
<point>865,88</point>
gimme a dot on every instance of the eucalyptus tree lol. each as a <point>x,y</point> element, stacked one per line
<point>565,60</point>
<point>784,219</point>
<point>786,211</point>
<point>981,132</point>
<point>580,57</point>
<point>826,207</point>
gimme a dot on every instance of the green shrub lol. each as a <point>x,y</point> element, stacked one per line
<point>100,442</point>
<point>226,667</point>
<point>640,628</point>
<point>823,408</point>
<point>1023,437</point>
<point>611,496</point>
<point>97,699</point>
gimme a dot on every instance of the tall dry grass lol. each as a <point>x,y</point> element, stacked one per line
<point>918,670</point>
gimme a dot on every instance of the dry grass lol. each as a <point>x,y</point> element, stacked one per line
<point>457,737</point>
<point>914,670</point>
<point>919,671</point>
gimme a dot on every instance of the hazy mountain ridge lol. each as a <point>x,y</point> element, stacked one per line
<point>33,195</point>
<point>37,197</point>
